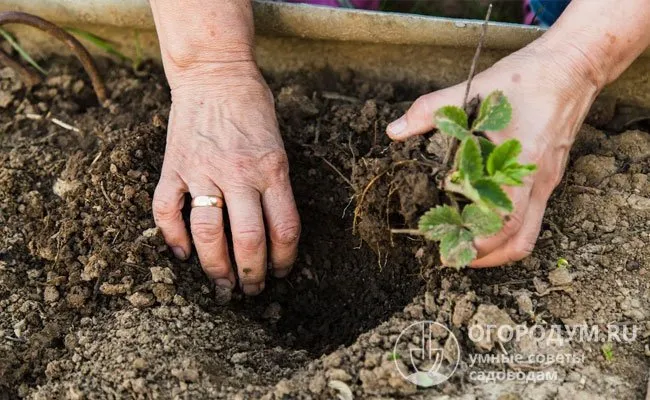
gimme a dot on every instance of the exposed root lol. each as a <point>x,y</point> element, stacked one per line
<point>15,17</point>
<point>357,209</point>
<point>337,171</point>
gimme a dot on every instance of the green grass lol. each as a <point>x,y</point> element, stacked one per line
<point>12,41</point>
<point>99,42</point>
<point>608,351</point>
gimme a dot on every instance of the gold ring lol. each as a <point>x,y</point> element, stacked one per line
<point>207,201</point>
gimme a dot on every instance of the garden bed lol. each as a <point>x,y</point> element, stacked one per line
<point>92,304</point>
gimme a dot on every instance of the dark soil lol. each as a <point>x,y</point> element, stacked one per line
<point>92,303</point>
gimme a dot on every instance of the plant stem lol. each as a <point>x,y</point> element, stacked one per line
<point>481,42</point>
<point>453,142</point>
<point>15,17</point>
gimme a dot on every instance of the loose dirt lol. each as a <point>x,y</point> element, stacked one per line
<point>93,305</point>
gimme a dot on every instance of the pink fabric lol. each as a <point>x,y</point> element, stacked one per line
<point>361,4</point>
<point>529,14</point>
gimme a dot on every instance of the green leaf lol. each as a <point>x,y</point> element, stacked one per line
<point>457,249</point>
<point>491,194</point>
<point>452,121</point>
<point>439,221</point>
<point>513,174</point>
<point>481,222</point>
<point>486,147</point>
<point>503,155</point>
<point>470,163</point>
<point>101,43</point>
<point>495,113</point>
<point>25,55</point>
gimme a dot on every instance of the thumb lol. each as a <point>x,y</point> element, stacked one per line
<point>419,117</point>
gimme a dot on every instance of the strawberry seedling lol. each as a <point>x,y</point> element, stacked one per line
<point>481,168</point>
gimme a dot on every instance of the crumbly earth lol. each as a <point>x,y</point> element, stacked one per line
<point>93,305</point>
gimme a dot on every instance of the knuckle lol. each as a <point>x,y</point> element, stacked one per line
<point>275,164</point>
<point>419,108</point>
<point>216,270</point>
<point>164,209</point>
<point>514,223</point>
<point>206,232</point>
<point>252,275</point>
<point>249,240</point>
<point>286,233</point>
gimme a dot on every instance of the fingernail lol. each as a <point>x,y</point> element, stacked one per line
<point>224,283</point>
<point>252,289</point>
<point>281,272</point>
<point>398,126</point>
<point>179,253</point>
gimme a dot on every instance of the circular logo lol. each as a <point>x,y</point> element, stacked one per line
<point>426,353</point>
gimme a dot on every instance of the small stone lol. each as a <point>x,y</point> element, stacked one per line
<point>162,275</point>
<point>524,302</point>
<point>77,296</point>
<point>485,324</point>
<point>186,374</point>
<point>463,310</point>
<point>139,385</point>
<point>5,98</point>
<point>179,300</point>
<point>429,303</point>
<point>560,277</point>
<point>151,232</point>
<point>239,358</point>
<point>78,86</point>
<point>540,286</point>
<point>63,186</point>
<point>317,384</point>
<point>139,363</point>
<point>140,299</point>
<point>333,360</point>
<point>273,312</point>
<point>164,293</point>
<point>222,295</point>
<point>338,374</point>
<point>34,274</point>
<point>282,389</point>
<point>50,294</point>
<point>93,268</point>
<point>632,265</point>
<point>115,289</point>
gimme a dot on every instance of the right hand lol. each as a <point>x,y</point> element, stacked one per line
<point>551,94</point>
<point>223,139</point>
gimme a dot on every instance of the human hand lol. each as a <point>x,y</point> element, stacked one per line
<point>223,140</point>
<point>551,93</point>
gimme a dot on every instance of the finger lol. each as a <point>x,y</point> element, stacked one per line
<point>419,117</point>
<point>521,244</point>
<point>520,198</point>
<point>167,204</point>
<point>248,237</point>
<point>209,238</point>
<point>283,225</point>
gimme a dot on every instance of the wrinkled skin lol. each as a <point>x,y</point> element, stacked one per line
<point>217,144</point>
